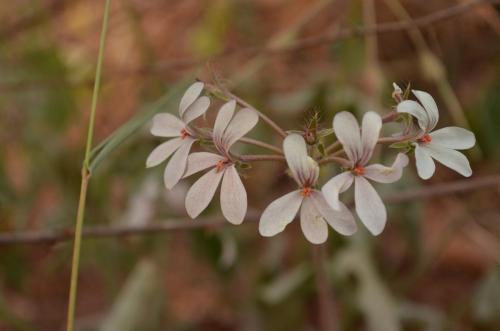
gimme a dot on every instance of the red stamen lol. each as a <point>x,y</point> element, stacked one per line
<point>184,133</point>
<point>425,139</point>
<point>221,165</point>
<point>358,170</point>
<point>306,191</point>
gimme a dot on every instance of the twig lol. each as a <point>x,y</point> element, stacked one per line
<point>260,144</point>
<point>49,237</point>
<point>299,44</point>
<point>458,186</point>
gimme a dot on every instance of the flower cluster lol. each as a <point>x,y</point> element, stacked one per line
<point>318,206</point>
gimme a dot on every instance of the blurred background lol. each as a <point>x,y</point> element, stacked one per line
<point>436,265</point>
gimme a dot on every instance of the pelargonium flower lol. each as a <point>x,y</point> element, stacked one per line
<point>359,148</point>
<point>228,129</point>
<point>441,144</point>
<point>315,212</point>
<point>167,125</point>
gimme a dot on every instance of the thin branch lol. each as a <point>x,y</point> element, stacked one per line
<point>299,44</point>
<point>50,237</point>
<point>218,90</point>
<point>260,144</point>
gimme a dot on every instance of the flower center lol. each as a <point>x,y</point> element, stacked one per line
<point>184,133</point>
<point>358,170</point>
<point>306,191</point>
<point>425,139</point>
<point>221,165</point>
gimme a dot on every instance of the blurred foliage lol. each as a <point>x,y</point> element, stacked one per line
<point>423,273</point>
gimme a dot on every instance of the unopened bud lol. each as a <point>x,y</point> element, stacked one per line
<point>397,94</point>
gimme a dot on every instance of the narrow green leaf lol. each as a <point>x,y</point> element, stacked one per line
<point>166,103</point>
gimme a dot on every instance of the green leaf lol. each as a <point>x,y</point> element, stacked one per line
<point>169,101</point>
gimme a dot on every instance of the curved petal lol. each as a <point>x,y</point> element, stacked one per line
<point>295,149</point>
<point>166,125</point>
<point>312,223</point>
<point>202,192</point>
<point>197,108</point>
<point>450,158</point>
<point>425,164</point>
<point>369,206</point>
<point>240,125</point>
<point>233,196</point>
<point>177,165</point>
<point>279,214</point>
<point>224,116</point>
<point>370,130</point>
<point>346,129</point>
<point>416,110</point>
<point>430,107</point>
<point>342,220</point>
<point>201,161</point>
<point>383,174</point>
<point>191,94</point>
<point>163,152</point>
<point>335,186</point>
<point>453,137</point>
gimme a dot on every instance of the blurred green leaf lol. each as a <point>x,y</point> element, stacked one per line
<point>166,103</point>
<point>139,302</point>
<point>486,303</point>
<point>373,297</point>
<point>284,285</point>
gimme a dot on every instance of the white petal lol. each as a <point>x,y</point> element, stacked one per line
<point>197,108</point>
<point>177,165</point>
<point>312,223</point>
<point>346,129</point>
<point>416,110</point>
<point>425,164</point>
<point>430,106</point>
<point>450,158</point>
<point>372,123</point>
<point>369,206</point>
<point>201,161</point>
<point>341,220</point>
<point>166,125</point>
<point>233,196</point>
<point>240,125</point>
<point>163,152</point>
<point>295,149</point>
<point>279,214</point>
<point>453,137</point>
<point>202,192</point>
<point>335,186</point>
<point>191,94</point>
<point>383,174</point>
<point>224,116</point>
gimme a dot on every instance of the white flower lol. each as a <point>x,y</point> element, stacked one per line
<point>359,148</point>
<point>233,198</point>
<point>441,144</point>
<point>315,212</point>
<point>167,125</point>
